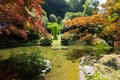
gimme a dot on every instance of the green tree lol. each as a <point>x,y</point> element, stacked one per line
<point>54,29</point>
<point>71,15</point>
<point>90,6</point>
<point>76,5</point>
<point>21,20</point>
<point>86,6</point>
<point>57,7</point>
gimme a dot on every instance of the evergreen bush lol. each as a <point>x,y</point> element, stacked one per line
<point>27,64</point>
<point>45,41</point>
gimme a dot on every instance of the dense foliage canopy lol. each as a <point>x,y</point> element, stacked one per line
<point>106,25</point>
<point>90,7</point>
<point>57,7</point>
<point>85,26</point>
<point>111,33</point>
<point>113,27</point>
<point>60,7</point>
<point>76,5</point>
<point>85,21</point>
<point>20,19</point>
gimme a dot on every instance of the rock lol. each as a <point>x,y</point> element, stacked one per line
<point>55,47</point>
<point>108,67</point>
<point>111,60</point>
<point>89,70</point>
<point>47,65</point>
<point>81,73</point>
<point>64,48</point>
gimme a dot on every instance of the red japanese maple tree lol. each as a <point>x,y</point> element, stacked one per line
<point>21,18</point>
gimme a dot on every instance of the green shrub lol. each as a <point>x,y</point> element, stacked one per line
<point>64,42</point>
<point>100,48</point>
<point>55,28</point>
<point>113,17</point>
<point>51,25</point>
<point>69,39</point>
<point>27,64</point>
<point>97,50</point>
<point>45,41</point>
<point>96,76</point>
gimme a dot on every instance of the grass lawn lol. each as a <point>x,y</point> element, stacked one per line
<point>62,68</point>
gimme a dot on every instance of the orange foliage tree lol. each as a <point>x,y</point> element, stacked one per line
<point>85,26</point>
<point>111,32</point>
<point>21,19</point>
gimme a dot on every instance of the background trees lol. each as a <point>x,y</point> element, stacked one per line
<point>60,7</point>
<point>57,7</point>
<point>90,6</point>
<point>76,5</point>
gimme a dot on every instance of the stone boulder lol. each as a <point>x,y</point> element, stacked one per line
<point>111,60</point>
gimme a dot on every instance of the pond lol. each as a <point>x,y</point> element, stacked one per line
<point>62,68</point>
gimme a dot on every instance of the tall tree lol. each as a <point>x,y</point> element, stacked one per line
<point>57,7</point>
<point>90,6</point>
<point>85,26</point>
<point>111,32</point>
<point>19,19</point>
<point>76,5</point>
